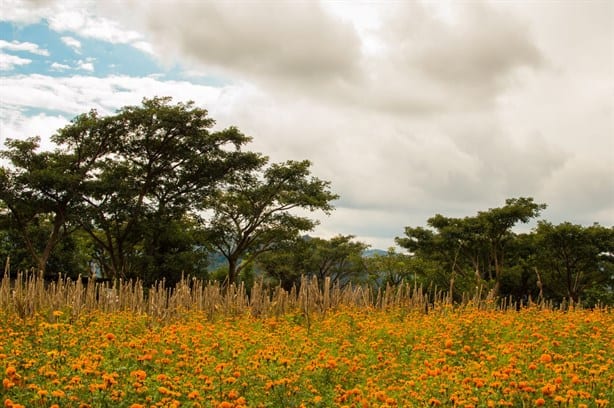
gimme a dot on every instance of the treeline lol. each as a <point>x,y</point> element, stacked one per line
<point>153,192</point>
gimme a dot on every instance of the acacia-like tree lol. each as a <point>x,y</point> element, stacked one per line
<point>471,249</point>
<point>128,180</point>
<point>254,213</point>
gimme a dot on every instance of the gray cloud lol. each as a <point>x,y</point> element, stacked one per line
<point>271,40</point>
<point>420,112</point>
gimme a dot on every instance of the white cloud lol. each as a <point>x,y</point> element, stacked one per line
<point>72,42</point>
<point>14,124</point>
<point>77,94</point>
<point>85,65</point>
<point>56,66</point>
<point>78,17</point>
<point>8,61</point>
<point>80,21</point>
<point>23,46</point>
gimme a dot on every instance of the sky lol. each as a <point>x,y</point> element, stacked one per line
<point>408,108</point>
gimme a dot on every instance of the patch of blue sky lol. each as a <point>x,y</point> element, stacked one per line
<point>93,57</point>
<point>30,111</point>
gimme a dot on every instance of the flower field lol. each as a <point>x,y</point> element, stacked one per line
<point>348,357</point>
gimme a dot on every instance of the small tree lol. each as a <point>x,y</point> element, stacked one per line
<point>253,214</point>
<point>573,258</point>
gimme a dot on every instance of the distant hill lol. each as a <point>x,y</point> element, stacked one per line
<point>368,253</point>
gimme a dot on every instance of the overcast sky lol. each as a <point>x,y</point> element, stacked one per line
<point>408,108</point>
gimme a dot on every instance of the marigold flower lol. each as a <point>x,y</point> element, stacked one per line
<point>10,371</point>
<point>434,402</point>
<point>139,374</point>
<point>110,336</point>
<point>58,393</point>
<point>540,402</point>
<point>545,358</point>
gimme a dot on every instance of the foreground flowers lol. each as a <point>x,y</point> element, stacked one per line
<point>353,358</point>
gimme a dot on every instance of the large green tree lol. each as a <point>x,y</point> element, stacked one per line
<point>257,211</point>
<point>161,159</point>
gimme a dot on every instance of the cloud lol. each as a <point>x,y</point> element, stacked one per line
<point>287,41</point>
<point>88,26</point>
<point>8,61</point>
<point>56,66</point>
<point>409,109</point>
<point>78,94</point>
<point>85,65</point>
<point>78,17</point>
<point>23,46</point>
<point>72,42</point>
<point>14,124</point>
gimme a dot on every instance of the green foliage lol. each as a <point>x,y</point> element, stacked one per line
<point>339,258</point>
<point>553,262</point>
<point>573,259</point>
<point>253,213</point>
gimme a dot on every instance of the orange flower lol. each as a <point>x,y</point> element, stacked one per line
<point>110,336</point>
<point>545,358</point>
<point>10,371</point>
<point>539,402</point>
<point>139,374</point>
<point>58,393</point>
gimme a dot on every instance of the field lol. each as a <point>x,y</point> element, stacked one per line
<point>346,355</point>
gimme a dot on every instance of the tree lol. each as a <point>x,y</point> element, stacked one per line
<point>158,160</point>
<point>339,258</point>
<point>497,223</point>
<point>390,268</point>
<point>471,250</point>
<point>40,190</point>
<point>253,214</point>
<point>573,258</point>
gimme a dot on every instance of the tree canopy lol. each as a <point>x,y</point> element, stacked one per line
<point>155,191</point>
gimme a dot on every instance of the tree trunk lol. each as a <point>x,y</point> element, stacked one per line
<point>232,271</point>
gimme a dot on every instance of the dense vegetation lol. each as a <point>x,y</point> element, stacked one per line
<point>153,192</point>
<point>346,357</point>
